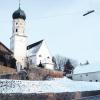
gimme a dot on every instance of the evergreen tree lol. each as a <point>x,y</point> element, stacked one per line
<point>68,67</point>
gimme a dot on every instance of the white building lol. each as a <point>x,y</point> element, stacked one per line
<point>18,40</point>
<point>38,53</point>
<point>18,44</point>
<point>90,72</point>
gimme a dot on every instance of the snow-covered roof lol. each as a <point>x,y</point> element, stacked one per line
<point>34,47</point>
<point>53,86</point>
<point>86,68</point>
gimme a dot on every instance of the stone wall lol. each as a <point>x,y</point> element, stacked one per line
<point>16,76</point>
<point>33,74</point>
<point>50,96</point>
<point>6,70</point>
<point>42,74</point>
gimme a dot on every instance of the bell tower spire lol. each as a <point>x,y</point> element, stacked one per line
<point>19,3</point>
<point>19,17</point>
<point>18,40</point>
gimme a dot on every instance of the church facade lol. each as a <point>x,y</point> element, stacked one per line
<point>18,44</point>
<point>38,53</point>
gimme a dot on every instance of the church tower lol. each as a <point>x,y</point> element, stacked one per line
<point>18,40</point>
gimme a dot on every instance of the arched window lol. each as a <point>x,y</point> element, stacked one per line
<point>16,30</point>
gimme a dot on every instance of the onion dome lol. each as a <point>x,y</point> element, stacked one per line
<point>19,14</point>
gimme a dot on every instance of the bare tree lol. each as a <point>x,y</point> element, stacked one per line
<point>59,62</point>
<point>64,64</point>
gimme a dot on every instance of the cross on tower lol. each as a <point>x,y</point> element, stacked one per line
<point>19,3</point>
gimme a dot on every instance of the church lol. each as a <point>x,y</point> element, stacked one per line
<point>35,54</point>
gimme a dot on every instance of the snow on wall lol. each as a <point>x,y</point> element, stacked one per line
<point>53,86</point>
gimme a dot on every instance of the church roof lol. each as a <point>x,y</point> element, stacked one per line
<point>19,14</point>
<point>35,46</point>
<point>87,68</point>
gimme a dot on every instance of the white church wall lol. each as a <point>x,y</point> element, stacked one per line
<point>20,49</point>
<point>44,56</point>
<point>92,76</point>
<point>49,66</point>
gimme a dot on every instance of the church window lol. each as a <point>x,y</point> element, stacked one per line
<point>48,57</point>
<point>86,74</point>
<point>16,30</point>
<point>40,55</point>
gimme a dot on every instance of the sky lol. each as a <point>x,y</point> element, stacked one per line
<point>60,23</point>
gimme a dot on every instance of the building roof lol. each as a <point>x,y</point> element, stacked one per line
<point>87,68</point>
<point>35,46</point>
<point>9,51</point>
<point>19,14</point>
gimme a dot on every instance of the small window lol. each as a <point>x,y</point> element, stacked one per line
<point>96,80</point>
<point>16,30</point>
<point>48,57</point>
<point>40,55</point>
<point>86,74</point>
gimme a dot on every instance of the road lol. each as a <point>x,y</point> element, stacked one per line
<point>92,98</point>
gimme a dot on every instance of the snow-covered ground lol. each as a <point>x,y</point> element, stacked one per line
<point>54,86</point>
